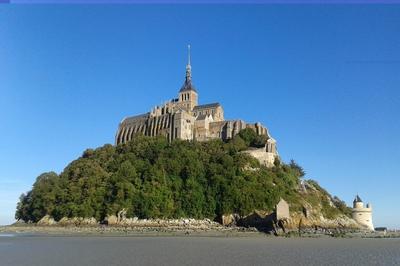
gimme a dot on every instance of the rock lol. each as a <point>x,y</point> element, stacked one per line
<point>228,219</point>
<point>64,221</point>
<point>112,220</point>
<point>19,223</point>
<point>76,221</point>
<point>121,215</point>
<point>47,220</point>
<point>88,221</point>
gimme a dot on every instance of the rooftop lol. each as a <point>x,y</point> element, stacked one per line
<point>357,199</point>
<point>136,117</point>
<point>188,86</point>
<point>204,106</point>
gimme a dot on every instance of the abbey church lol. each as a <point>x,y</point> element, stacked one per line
<point>183,118</point>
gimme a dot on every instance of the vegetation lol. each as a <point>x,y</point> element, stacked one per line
<point>251,138</point>
<point>331,207</point>
<point>153,178</point>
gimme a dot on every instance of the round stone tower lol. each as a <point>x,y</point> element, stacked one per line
<point>362,215</point>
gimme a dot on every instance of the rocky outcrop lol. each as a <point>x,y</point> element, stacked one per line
<point>122,215</point>
<point>78,221</point>
<point>122,221</point>
<point>183,222</point>
<point>47,221</point>
<point>229,219</point>
<point>299,221</point>
<point>111,220</point>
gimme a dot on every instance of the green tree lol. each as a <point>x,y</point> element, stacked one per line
<point>154,178</point>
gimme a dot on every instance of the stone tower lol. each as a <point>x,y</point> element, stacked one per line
<point>188,97</point>
<point>361,214</point>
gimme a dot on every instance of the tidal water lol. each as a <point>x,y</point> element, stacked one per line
<point>109,250</point>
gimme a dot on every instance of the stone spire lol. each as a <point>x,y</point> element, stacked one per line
<point>187,86</point>
<point>188,67</point>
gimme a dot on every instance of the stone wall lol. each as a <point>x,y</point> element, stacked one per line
<point>363,216</point>
<point>265,158</point>
<point>217,112</point>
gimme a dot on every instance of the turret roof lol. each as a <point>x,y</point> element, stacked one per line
<point>357,199</point>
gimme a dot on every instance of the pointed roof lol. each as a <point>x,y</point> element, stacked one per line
<point>188,86</point>
<point>357,199</point>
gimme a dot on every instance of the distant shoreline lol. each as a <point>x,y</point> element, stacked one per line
<point>222,231</point>
<point>129,231</point>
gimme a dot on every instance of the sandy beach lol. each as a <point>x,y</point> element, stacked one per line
<point>139,250</point>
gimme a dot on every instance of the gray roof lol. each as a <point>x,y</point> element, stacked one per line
<point>357,199</point>
<point>201,117</point>
<point>204,106</point>
<point>136,117</point>
<point>188,86</point>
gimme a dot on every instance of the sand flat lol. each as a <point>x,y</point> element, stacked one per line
<point>117,250</point>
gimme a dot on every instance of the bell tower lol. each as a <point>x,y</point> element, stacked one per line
<point>188,97</point>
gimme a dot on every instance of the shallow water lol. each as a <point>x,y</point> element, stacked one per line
<point>7,235</point>
<point>73,250</point>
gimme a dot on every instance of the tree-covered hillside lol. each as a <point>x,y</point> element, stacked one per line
<point>152,178</point>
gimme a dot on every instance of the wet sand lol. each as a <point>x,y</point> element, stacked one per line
<point>194,250</point>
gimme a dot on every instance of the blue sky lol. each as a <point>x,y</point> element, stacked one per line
<point>325,80</point>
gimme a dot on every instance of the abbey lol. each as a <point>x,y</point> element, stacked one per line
<point>183,118</point>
